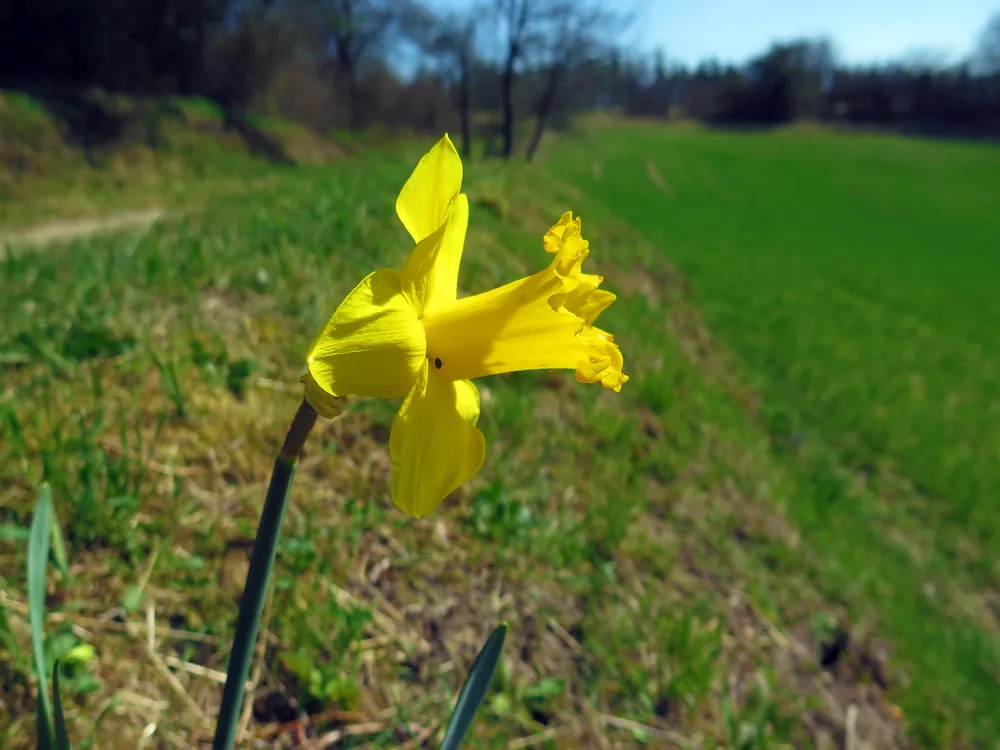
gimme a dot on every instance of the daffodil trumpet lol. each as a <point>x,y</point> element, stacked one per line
<point>406,334</point>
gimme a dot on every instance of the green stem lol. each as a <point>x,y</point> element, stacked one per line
<point>261,562</point>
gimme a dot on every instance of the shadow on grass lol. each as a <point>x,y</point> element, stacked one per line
<point>94,120</point>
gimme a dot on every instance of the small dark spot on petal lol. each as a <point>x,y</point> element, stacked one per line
<point>437,362</point>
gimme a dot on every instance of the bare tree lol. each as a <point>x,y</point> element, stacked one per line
<point>567,34</point>
<point>987,55</point>
<point>451,41</point>
<point>516,16</point>
<point>243,56</point>
<point>549,37</point>
<point>354,30</point>
<point>465,87</point>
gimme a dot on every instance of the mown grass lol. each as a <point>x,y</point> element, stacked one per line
<point>654,551</point>
<point>853,278</point>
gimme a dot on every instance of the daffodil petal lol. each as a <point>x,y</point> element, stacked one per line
<point>430,274</point>
<point>434,443</point>
<point>424,199</point>
<point>543,321</point>
<point>587,300</point>
<point>373,345</point>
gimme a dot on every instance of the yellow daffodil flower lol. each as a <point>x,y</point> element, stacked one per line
<point>405,334</point>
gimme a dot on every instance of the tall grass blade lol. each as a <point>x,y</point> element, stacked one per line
<point>7,639</point>
<point>62,736</point>
<point>38,558</point>
<point>474,689</point>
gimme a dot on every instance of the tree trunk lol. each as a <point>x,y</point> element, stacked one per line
<point>346,66</point>
<point>518,14</point>
<point>464,105</point>
<point>508,103</point>
<point>545,103</point>
<point>355,104</point>
<point>536,139</point>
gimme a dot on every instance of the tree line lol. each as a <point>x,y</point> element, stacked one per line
<point>357,64</point>
<point>802,79</point>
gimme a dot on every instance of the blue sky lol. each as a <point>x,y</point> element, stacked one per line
<point>862,30</point>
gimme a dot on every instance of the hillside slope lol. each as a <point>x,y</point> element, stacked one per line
<point>87,153</point>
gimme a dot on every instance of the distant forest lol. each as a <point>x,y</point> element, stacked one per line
<point>337,64</point>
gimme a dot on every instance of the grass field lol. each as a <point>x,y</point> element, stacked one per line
<point>783,531</point>
<point>853,278</point>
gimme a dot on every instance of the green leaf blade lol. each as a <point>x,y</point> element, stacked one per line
<point>474,689</point>
<point>38,558</point>
<point>59,556</point>
<point>62,736</point>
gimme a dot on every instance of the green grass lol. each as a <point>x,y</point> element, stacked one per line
<point>663,556</point>
<point>853,279</point>
<point>24,103</point>
<point>171,154</point>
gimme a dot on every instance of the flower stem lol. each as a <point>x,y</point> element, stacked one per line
<point>261,562</point>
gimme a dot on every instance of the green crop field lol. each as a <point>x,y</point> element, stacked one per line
<point>855,281</point>
<point>783,531</point>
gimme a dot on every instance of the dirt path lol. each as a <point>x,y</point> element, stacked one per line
<point>63,231</point>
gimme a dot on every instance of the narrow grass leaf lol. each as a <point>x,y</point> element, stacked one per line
<point>132,599</point>
<point>11,533</point>
<point>45,351</point>
<point>62,736</point>
<point>474,689</point>
<point>59,556</point>
<point>88,742</point>
<point>38,557</point>
<point>7,639</point>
